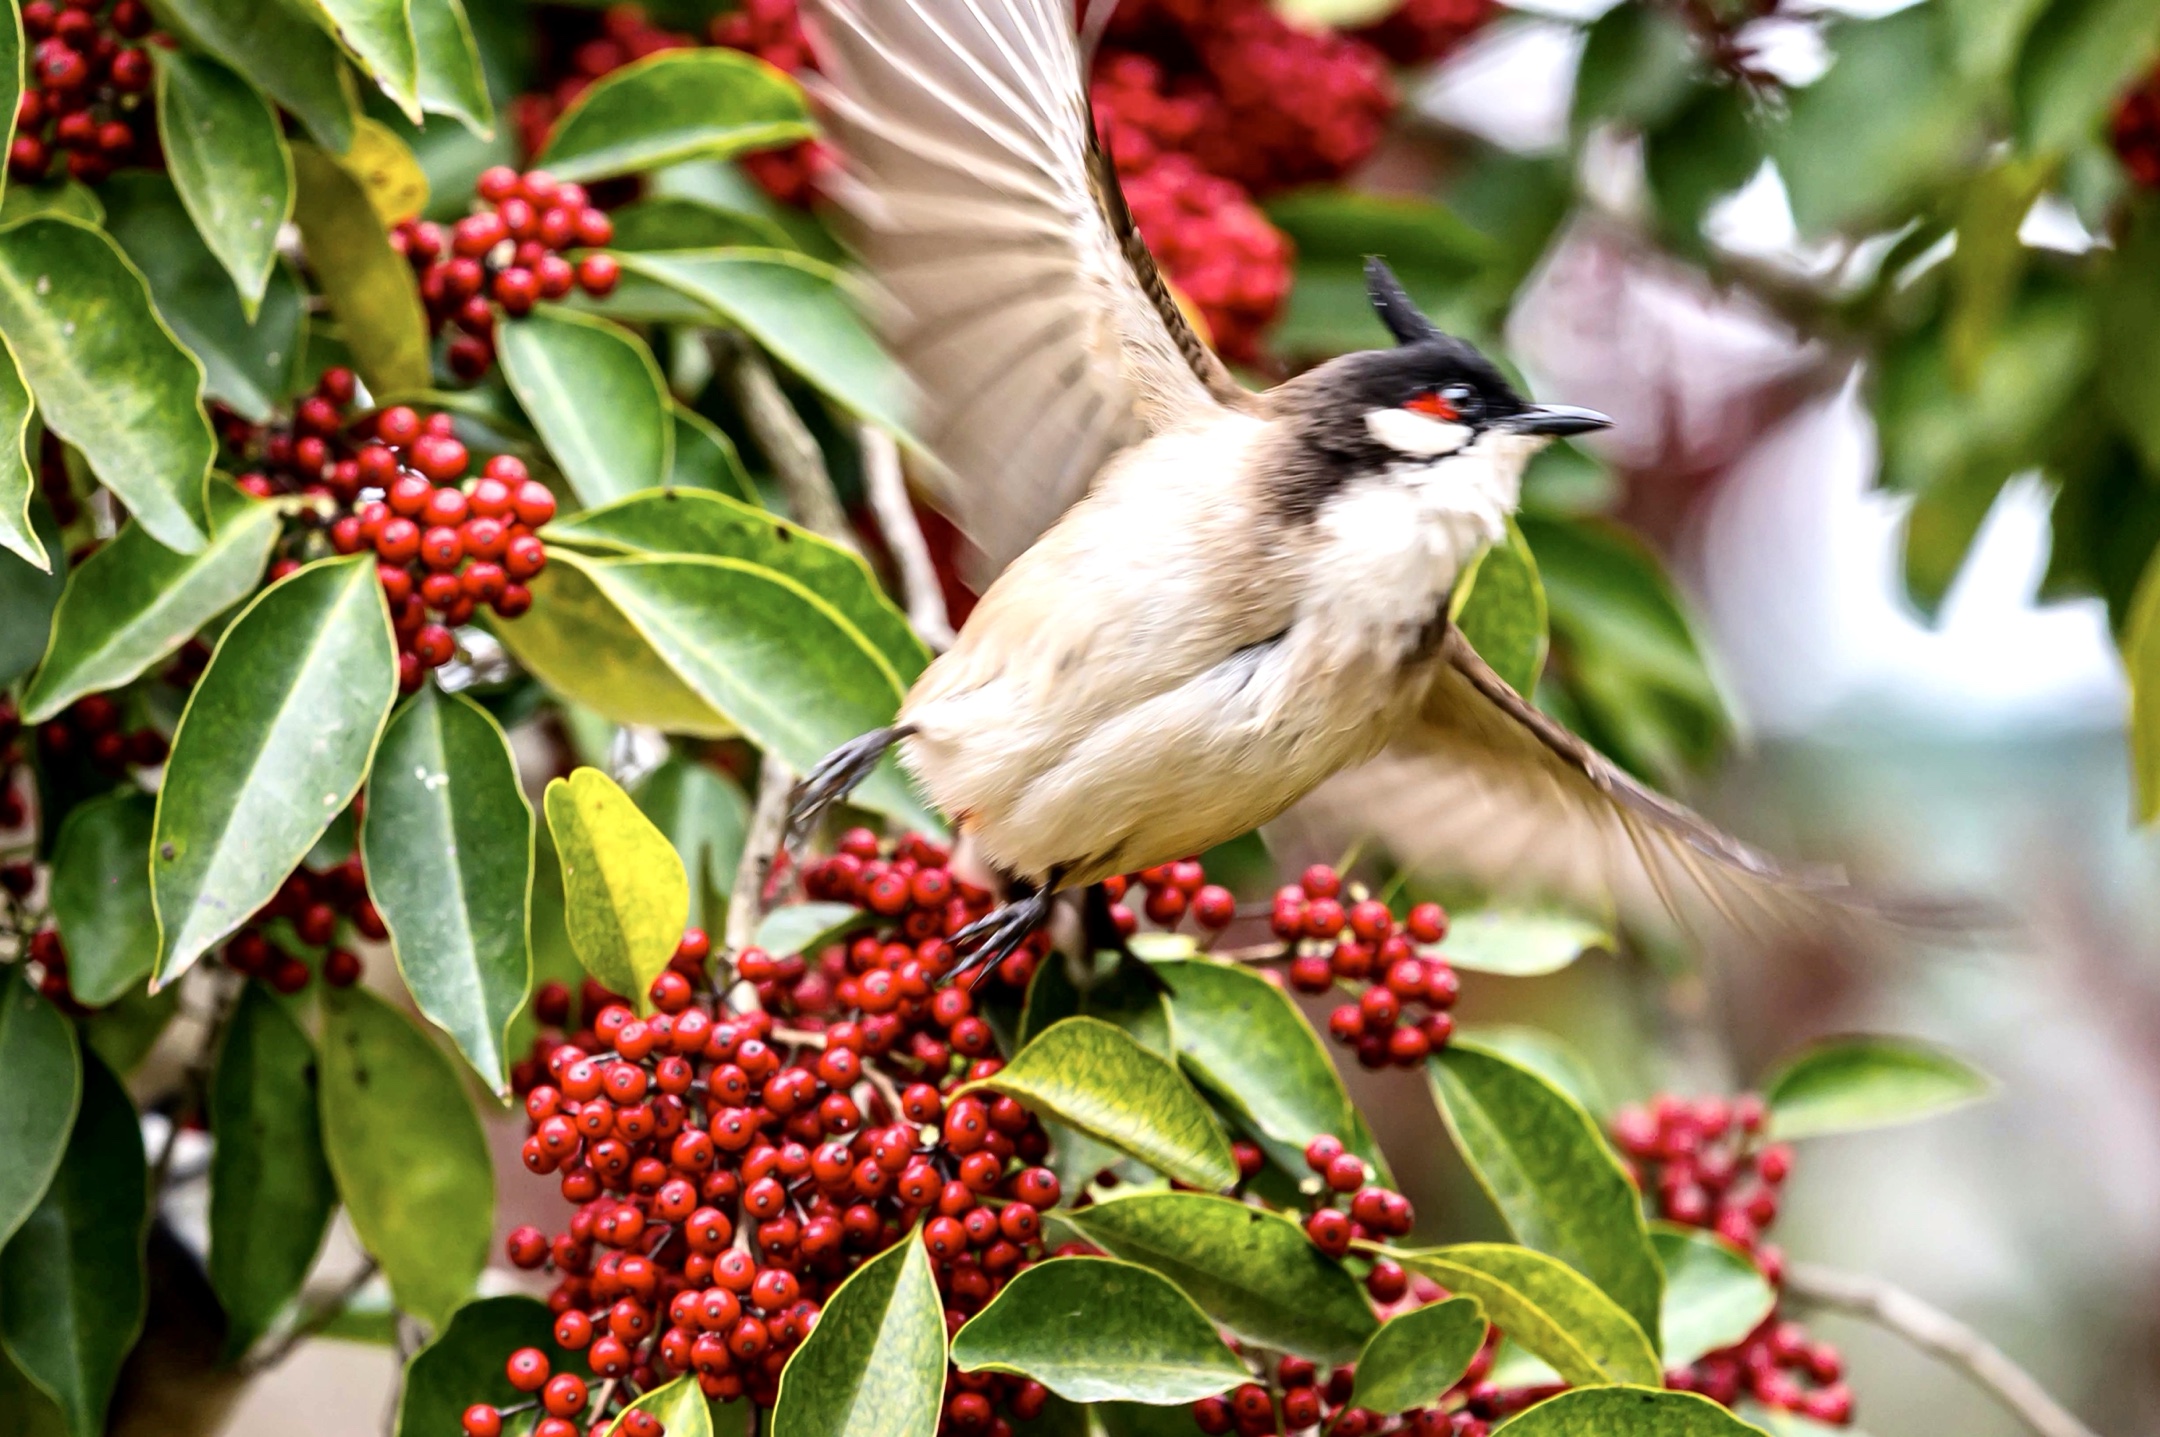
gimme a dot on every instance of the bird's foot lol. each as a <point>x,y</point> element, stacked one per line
<point>837,775</point>
<point>991,939</point>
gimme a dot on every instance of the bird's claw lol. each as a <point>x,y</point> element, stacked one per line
<point>837,775</point>
<point>993,938</point>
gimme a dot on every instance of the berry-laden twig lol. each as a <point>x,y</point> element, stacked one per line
<point>87,91</point>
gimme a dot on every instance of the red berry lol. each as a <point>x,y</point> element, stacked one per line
<point>527,1369</point>
<point>1329,1230</point>
<point>481,1420</point>
<point>534,504</point>
<point>598,274</point>
<point>564,1395</point>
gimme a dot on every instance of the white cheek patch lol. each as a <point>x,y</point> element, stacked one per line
<point>1421,435</point>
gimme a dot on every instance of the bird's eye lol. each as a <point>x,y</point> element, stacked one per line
<point>1451,402</point>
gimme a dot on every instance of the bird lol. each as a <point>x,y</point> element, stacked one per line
<point>1210,600</point>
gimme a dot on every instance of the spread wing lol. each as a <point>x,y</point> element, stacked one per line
<point>1026,307</point>
<point>1485,786</point>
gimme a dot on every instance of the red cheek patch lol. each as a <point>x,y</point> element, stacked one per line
<point>1431,404</point>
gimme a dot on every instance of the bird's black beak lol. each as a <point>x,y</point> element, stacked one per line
<point>1555,420</point>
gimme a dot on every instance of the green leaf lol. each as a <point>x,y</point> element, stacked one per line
<point>1714,1295</point>
<point>72,1287</point>
<point>448,841</point>
<point>278,45</point>
<point>2141,659</point>
<point>123,1032</point>
<point>1520,943</point>
<point>624,889</point>
<point>796,307</point>
<point>228,159</point>
<point>679,1407</point>
<point>62,197</point>
<point>28,595</point>
<point>1097,1078</point>
<point>673,106</point>
<point>806,927</point>
<point>1541,1159</point>
<point>44,1088</point>
<point>705,458</point>
<point>464,1364</point>
<point>411,1163</point>
<point>874,1366</point>
<point>688,521</point>
<point>2127,316</point>
<point>2078,58</point>
<point>1092,1329</point>
<point>1418,1355</point>
<point>101,895</point>
<point>1711,147</point>
<point>18,532</point>
<point>1627,1412</point>
<point>1542,1053</point>
<point>109,377</point>
<point>1499,605</point>
<point>1845,1085</point>
<point>379,34</point>
<point>11,71</point>
<point>369,287</point>
<point>704,815</point>
<point>274,743</point>
<point>27,1412</point>
<point>667,222</point>
<point>134,601</point>
<point>1638,66</point>
<point>596,395</point>
<point>451,79</point>
<point>249,364</point>
<point>1253,1271</point>
<point>1547,1307</point>
<point>270,1187</point>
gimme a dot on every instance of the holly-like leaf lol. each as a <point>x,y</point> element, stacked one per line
<point>1714,1294</point>
<point>1621,1411</point>
<point>227,156</point>
<point>1417,1355</point>
<point>369,286</point>
<point>72,1287</point>
<point>1099,1079</point>
<point>270,1187</point>
<point>679,1407</point>
<point>624,889</point>
<point>704,814</point>
<point>448,842</point>
<point>134,601</point>
<point>1499,604</point>
<point>17,532</point>
<point>1541,1159</point>
<point>101,895</point>
<point>274,742</point>
<point>464,1364</point>
<point>1138,1339</point>
<point>28,595</point>
<point>37,1106</point>
<point>1546,1306</point>
<point>1521,943</point>
<point>806,927</point>
<point>2077,60</point>
<point>705,458</point>
<point>1253,1271</point>
<point>109,377</point>
<point>1844,1085</point>
<point>676,105</point>
<point>278,45</point>
<point>685,521</point>
<point>874,1366</point>
<point>596,395</point>
<point>452,81</point>
<point>411,1162</point>
<point>379,34</point>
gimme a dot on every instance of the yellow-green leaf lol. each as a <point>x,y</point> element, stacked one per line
<point>1843,1085</point>
<point>1418,1355</point>
<point>379,34</point>
<point>678,1406</point>
<point>673,106</point>
<point>370,288</point>
<point>2141,658</point>
<point>624,888</point>
<point>1548,1307</point>
<point>16,475</point>
<point>874,1366</point>
<point>1520,942</point>
<point>1627,1412</point>
<point>1499,604</point>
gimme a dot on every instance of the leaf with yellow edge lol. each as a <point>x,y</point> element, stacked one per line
<point>679,1408</point>
<point>624,890</point>
<point>397,188</point>
<point>1546,1306</point>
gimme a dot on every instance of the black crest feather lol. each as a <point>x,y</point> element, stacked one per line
<point>1393,304</point>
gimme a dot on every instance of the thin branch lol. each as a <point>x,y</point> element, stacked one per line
<point>887,485</point>
<point>1936,1332</point>
<point>317,1317</point>
<point>761,844</point>
<point>786,442</point>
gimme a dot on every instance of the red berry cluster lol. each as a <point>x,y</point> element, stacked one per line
<point>559,1395</point>
<point>1421,31</point>
<point>308,910</point>
<point>625,35</point>
<point>507,254</point>
<point>1361,943</point>
<point>772,31</point>
<point>92,728</point>
<point>86,90</point>
<point>919,903</point>
<point>1215,246</point>
<point>1373,1211</point>
<point>1707,1164</point>
<point>2135,130</point>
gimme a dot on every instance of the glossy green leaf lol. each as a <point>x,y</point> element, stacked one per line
<point>411,1163</point>
<point>2141,661</point>
<point>679,1407</point>
<point>704,815</point>
<point>11,70</point>
<point>874,1366</point>
<point>101,895</point>
<point>1499,604</point>
<point>369,286</point>
<point>1125,994</point>
<point>1547,1168</point>
<point>2078,59</point>
<point>17,475</point>
<point>280,46</point>
<point>1099,1079</point>
<point>1843,1085</point>
<point>1627,1412</point>
<point>1714,1295</point>
<point>379,34</point>
<point>270,1188</point>
<point>27,1412</point>
<point>227,156</point>
<point>673,106</point>
<point>464,1364</point>
<point>448,841</point>
<point>1547,1307</point>
<point>596,395</point>
<point>452,81</point>
<point>134,601</point>
<point>276,739</point>
<point>799,309</point>
<point>28,596</point>
<point>72,1287</point>
<point>44,1088</point>
<point>1418,1355</point>
<point>1543,1053</point>
<point>683,521</point>
<point>108,375</point>
<point>705,458</point>
<point>667,222</point>
<point>1093,1329</point>
<point>1253,1271</point>
<point>805,927</point>
<point>1521,943</point>
<point>62,197</point>
<point>624,889</point>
